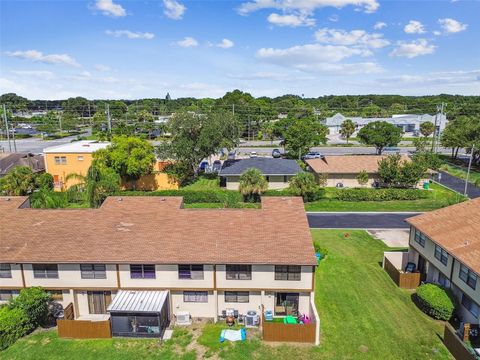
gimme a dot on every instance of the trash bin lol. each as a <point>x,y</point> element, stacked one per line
<point>426,185</point>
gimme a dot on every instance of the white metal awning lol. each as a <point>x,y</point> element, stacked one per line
<point>138,301</point>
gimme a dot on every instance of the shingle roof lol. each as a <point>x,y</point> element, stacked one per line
<point>8,161</point>
<point>268,166</point>
<point>455,228</point>
<point>347,164</point>
<point>150,229</point>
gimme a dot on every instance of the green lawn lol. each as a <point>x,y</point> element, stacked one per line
<point>363,316</point>
<point>439,197</point>
<point>204,183</point>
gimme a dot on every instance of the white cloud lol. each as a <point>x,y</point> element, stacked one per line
<point>348,38</point>
<point>413,49</point>
<point>130,34</point>
<point>435,78</point>
<point>379,25</point>
<point>225,44</point>
<point>437,33</point>
<point>305,6</point>
<point>45,75</point>
<point>291,20</point>
<point>334,18</point>
<point>414,27</point>
<point>174,9</point>
<point>101,67</point>
<point>38,56</point>
<point>109,8</point>
<point>452,26</point>
<point>187,42</point>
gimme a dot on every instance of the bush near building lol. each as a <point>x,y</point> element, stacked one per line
<point>435,301</point>
<point>358,194</point>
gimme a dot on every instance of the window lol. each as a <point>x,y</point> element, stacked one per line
<point>5,271</point>
<point>285,178</point>
<point>441,255</point>
<point>194,272</point>
<point>195,296</point>
<point>443,280</point>
<point>239,272</point>
<point>470,305</point>
<point>420,238</point>
<point>60,160</point>
<point>468,276</point>
<point>6,295</point>
<point>287,272</point>
<point>45,271</point>
<point>80,158</point>
<point>57,295</point>
<point>142,271</point>
<point>93,271</point>
<point>236,297</point>
<point>98,301</point>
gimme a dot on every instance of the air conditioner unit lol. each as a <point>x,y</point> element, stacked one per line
<point>183,318</point>
<point>251,319</point>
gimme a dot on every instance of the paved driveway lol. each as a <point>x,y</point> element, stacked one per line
<point>330,220</point>
<point>457,184</point>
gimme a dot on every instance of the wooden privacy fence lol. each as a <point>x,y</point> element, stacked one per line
<point>455,345</point>
<point>68,313</point>
<point>84,329</point>
<point>303,333</point>
<point>403,280</point>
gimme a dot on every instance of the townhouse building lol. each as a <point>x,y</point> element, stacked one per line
<point>445,247</point>
<point>206,260</point>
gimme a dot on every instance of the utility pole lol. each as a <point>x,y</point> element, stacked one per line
<point>472,150</point>
<point>109,119</point>
<point>13,137</point>
<point>233,109</point>
<point>60,122</point>
<point>6,127</point>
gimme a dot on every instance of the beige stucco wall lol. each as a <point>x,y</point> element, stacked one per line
<point>274,183</point>
<point>263,277</point>
<point>69,276</point>
<point>15,280</point>
<point>166,277</point>
<point>348,180</point>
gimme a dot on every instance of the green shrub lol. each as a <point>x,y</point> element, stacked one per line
<point>34,302</point>
<point>435,301</point>
<point>318,249</point>
<point>192,196</point>
<point>318,194</point>
<point>14,324</point>
<point>379,194</point>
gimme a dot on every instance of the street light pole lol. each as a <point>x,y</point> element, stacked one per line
<point>468,171</point>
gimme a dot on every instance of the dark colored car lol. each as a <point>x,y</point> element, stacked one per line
<point>276,153</point>
<point>203,165</point>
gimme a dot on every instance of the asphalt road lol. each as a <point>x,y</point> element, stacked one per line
<point>330,220</point>
<point>34,145</point>
<point>458,185</point>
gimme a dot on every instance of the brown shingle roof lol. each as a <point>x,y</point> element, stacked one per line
<point>456,229</point>
<point>157,230</point>
<point>347,164</point>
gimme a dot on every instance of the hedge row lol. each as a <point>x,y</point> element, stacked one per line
<point>435,301</point>
<point>192,196</point>
<point>14,324</point>
<point>379,194</point>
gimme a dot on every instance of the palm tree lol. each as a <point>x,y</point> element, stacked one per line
<point>347,129</point>
<point>303,184</point>
<point>47,199</point>
<point>97,184</point>
<point>18,182</point>
<point>252,184</point>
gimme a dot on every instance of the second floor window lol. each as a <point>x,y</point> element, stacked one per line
<point>239,272</point>
<point>5,271</point>
<point>60,160</point>
<point>193,272</point>
<point>441,255</point>
<point>93,271</point>
<point>468,276</point>
<point>420,238</point>
<point>141,271</point>
<point>45,271</point>
<point>288,272</point>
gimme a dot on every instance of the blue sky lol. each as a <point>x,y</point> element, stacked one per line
<point>133,49</point>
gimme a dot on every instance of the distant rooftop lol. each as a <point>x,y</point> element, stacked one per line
<point>268,166</point>
<point>83,146</point>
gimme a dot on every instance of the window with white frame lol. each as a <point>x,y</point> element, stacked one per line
<point>468,276</point>
<point>195,296</point>
<point>93,271</point>
<point>45,271</point>
<point>441,255</point>
<point>420,238</point>
<point>80,158</point>
<point>470,305</point>
<point>239,272</point>
<point>5,271</point>
<point>193,272</point>
<point>237,297</point>
<point>60,160</point>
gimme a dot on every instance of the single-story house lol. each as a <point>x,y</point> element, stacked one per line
<point>8,161</point>
<point>278,172</point>
<point>344,169</point>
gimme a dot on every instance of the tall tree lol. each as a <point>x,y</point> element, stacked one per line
<point>252,184</point>
<point>427,128</point>
<point>196,137</point>
<point>347,129</point>
<point>20,181</point>
<point>302,135</point>
<point>380,134</point>
<point>303,184</point>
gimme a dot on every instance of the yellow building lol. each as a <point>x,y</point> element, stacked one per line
<point>76,158</point>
